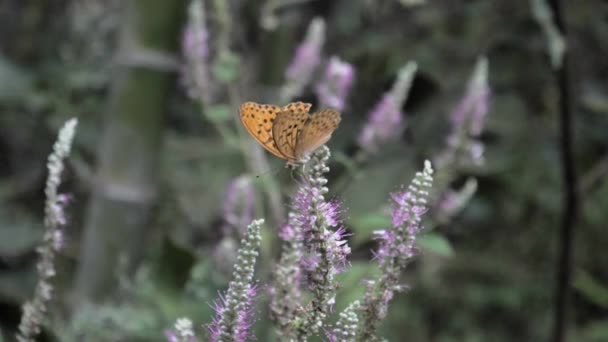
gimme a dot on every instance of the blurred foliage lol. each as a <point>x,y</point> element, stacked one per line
<point>488,275</point>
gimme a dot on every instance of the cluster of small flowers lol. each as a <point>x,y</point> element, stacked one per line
<point>195,49</point>
<point>397,248</point>
<point>452,201</point>
<point>385,121</point>
<point>286,291</point>
<point>35,310</point>
<point>464,148</point>
<point>316,253</point>
<point>332,90</point>
<point>300,71</point>
<point>346,327</point>
<point>183,331</point>
<point>239,204</point>
<point>336,81</point>
<point>234,311</point>
<point>468,120</point>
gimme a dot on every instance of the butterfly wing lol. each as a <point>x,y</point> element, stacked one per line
<point>288,124</point>
<point>317,131</point>
<point>258,119</point>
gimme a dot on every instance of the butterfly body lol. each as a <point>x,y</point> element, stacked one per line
<point>289,132</point>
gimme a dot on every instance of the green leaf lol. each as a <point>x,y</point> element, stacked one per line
<point>14,81</point>
<point>218,113</point>
<point>364,226</point>
<point>595,331</point>
<point>20,233</point>
<point>226,68</point>
<point>436,243</point>
<point>346,161</point>
<point>591,289</point>
<point>351,280</point>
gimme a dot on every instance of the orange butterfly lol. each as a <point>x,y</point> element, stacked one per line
<point>289,132</point>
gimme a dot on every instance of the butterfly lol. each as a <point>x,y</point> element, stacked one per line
<point>289,132</point>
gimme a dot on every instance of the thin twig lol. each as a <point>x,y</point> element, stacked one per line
<point>569,211</point>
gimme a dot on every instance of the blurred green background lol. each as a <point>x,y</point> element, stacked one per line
<point>150,169</point>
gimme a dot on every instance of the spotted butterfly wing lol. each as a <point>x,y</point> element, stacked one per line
<point>316,132</point>
<point>259,119</point>
<point>288,124</point>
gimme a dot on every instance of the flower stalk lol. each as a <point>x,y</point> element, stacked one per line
<point>385,121</point>
<point>35,310</point>
<point>316,252</point>
<point>468,121</point>
<point>195,48</point>
<point>397,248</point>
<point>183,331</point>
<point>305,61</point>
<point>332,91</point>
<point>233,319</point>
<point>347,325</point>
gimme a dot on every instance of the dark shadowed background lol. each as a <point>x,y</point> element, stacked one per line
<point>156,160</point>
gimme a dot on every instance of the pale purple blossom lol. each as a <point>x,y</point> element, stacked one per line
<point>286,290</point>
<point>310,209</point>
<point>468,121</point>
<point>396,248</point>
<point>243,321</point>
<point>332,210</point>
<point>337,248</point>
<point>451,202</point>
<point>239,204</point>
<point>35,310</point>
<point>383,124</point>
<point>195,48</point>
<point>305,61</point>
<point>473,108</point>
<point>233,311</point>
<point>314,252</point>
<point>336,83</point>
<point>171,336</point>
<point>195,41</point>
<point>58,240</point>
<point>58,208</point>
<point>386,121</point>
<point>290,232</point>
<point>310,262</point>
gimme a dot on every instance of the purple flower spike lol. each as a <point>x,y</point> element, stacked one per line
<point>473,108</point>
<point>305,61</point>
<point>315,251</point>
<point>386,119</point>
<point>170,335</point>
<point>239,204</point>
<point>233,312</point>
<point>195,48</point>
<point>468,121</point>
<point>336,84</point>
<point>345,329</point>
<point>397,246</point>
<point>35,310</point>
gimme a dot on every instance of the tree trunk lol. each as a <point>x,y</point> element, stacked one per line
<point>125,188</point>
